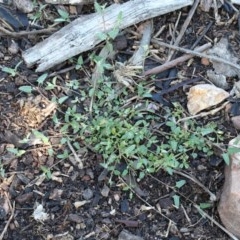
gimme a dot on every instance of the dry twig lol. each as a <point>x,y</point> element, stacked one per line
<point>25,33</point>
<point>80,162</point>
<point>215,222</point>
<point>184,27</point>
<point>213,197</point>
<point>198,54</point>
<point>10,218</point>
<point>176,61</point>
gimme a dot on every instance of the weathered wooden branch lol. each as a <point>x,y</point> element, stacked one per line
<point>71,2</point>
<point>83,33</point>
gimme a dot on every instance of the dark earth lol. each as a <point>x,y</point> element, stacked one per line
<point>81,203</point>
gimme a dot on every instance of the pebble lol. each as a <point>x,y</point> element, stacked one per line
<point>25,6</point>
<point>236,122</point>
<point>75,218</point>
<point>126,235</point>
<point>105,190</point>
<point>124,205</point>
<point>13,48</point>
<point>87,194</point>
<point>203,96</point>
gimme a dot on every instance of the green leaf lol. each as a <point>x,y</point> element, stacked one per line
<point>232,150</point>
<point>50,152</point>
<point>141,175</point>
<point>174,145</point>
<point>11,71</point>
<point>63,140</point>
<point>226,158</point>
<point>47,172</point>
<point>26,89</point>
<point>102,36</point>
<point>60,20</point>
<point>42,78</point>
<point>180,183</point>
<point>98,8</point>
<point>125,172</point>
<point>64,155</point>
<point>16,151</point>
<point>206,131</point>
<point>205,205</point>
<point>176,200</point>
<point>63,14</point>
<point>91,92</point>
<point>129,150</point>
<point>113,33</point>
<point>62,99</point>
<point>79,62</point>
<point>41,136</point>
<point>50,86</point>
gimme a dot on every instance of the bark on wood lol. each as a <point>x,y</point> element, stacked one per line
<point>71,2</point>
<point>82,34</point>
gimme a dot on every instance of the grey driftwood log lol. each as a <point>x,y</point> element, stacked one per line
<point>70,2</point>
<point>83,33</point>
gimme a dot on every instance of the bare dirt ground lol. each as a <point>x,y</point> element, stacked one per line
<point>81,203</point>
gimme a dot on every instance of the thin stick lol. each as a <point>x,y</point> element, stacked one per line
<point>10,218</point>
<point>204,114</point>
<point>148,204</point>
<point>202,55</point>
<point>213,197</point>
<point>24,33</point>
<point>184,27</point>
<point>215,222</point>
<point>202,35</point>
<point>80,162</point>
<point>176,61</point>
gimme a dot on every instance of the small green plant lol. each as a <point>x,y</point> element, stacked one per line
<point>47,172</point>
<point>38,15</point>
<point>17,152</point>
<point>64,16</point>
<point>124,135</point>
<point>11,71</point>
<point>106,35</point>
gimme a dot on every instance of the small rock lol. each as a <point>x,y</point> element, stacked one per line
<point>79,204</point>
<point>87,194</point>
<point>56,194</point>
<point>120,42</point>
<point>124,206</point>
<point>75,218</point>
<point>203,96</point>
<point>229,207</point>
<point>219,80</point>
<point>90,173</point>
<point>236,122</point>
<point>13,48</point>
<point>125,235</point>
<point>105,191</point>
<point>116,197</point>
<point>25,6</point>
<point>205,61</point>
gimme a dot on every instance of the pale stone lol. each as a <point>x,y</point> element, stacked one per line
<point>229,206</point>
<point>236,122</point>
<point>125,235</point>
<point>203,96</point>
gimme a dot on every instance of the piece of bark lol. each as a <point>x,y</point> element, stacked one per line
<point>70,2</point>
<point>83,33</point>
